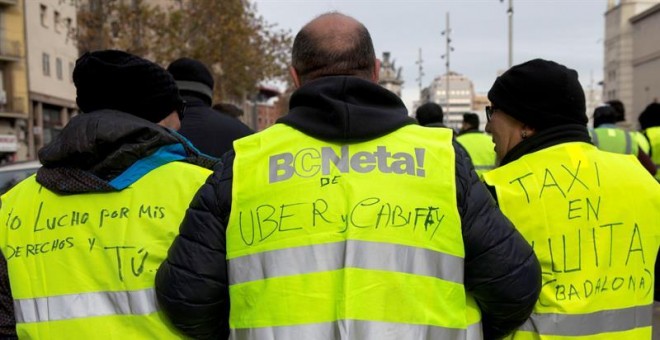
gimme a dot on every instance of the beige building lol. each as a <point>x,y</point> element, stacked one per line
<point>51,55</point>
<point>458,101</point>
<point>645,60</point>
<point>620,52</point>
<point>13,83</point>
<point>390,76</point>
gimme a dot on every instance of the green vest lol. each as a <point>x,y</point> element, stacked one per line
<point>328,240</point>
<point>481,149</point>
<point>614,140</point>
<point>83,266</point>
<point>641,141</point>
<point>653,135</point>
<point>592,219</point>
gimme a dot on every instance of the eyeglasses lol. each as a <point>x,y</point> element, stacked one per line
<point>489,112</point>
<point>181,110</point>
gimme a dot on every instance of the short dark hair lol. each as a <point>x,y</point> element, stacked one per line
<point>605,114</point>
<point>472,119</point>
<point>619,108</point>
<point>317,54</point>
<point>429,113</point>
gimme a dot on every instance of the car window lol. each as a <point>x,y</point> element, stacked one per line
<point>10,178</point>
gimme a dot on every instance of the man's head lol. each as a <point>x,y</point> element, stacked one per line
<point>429,113</point>
<point>117,80</point>
<point>619,108</point>
<point>605,114</point>
<point>333,44</point>
<point>470,121</point>
<point>193,78</point>
<point>531,97</point>
<point>650,117</point>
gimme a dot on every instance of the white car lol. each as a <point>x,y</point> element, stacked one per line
<point>13,173</point>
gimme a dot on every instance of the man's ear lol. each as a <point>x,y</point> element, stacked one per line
<point>376,74</point>
<point>294,76</point>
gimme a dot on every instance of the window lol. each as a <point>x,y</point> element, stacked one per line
<point>56,21</point>
<point>58,68</point>
<point>45,64</point>
<point>43,11</point>
<point>71,66</point>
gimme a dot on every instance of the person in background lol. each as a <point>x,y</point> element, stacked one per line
<point>346,220</point>
<point>591,216</point>
<point>478,144</point>
<point>210,131</point>
<point>620,122</point>
<point>607,137</point>
<point>85,236</point>
<point>649,120</point>
<point>430,114</point>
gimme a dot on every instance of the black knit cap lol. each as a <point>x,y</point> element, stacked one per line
<point>192,75</point>
<point>117,80</point>
<point>541,94</point>
<point>429,113</point>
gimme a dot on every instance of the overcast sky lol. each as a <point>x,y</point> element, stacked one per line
<point>567,31</point>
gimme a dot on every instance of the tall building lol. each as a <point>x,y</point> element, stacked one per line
<point>13,83</point>
<point>51,55</point>
<point>619,52</point>
<point>460,98</point>
<point>390,76</point>
<point>646,60</point>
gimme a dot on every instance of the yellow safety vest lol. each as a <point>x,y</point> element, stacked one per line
<point>596,239</point>
<point>335,241</point>
<point>83,266</point>
<point>641,140</point>
<point>653,135</point>
<point>614,140</point>
<point>481,149</point>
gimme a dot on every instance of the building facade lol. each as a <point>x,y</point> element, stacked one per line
<point>390,76</point>
<point>645,60</point>
<point>459,100</point>
<point>51,55</point>
<point>13,83</point>
<point>619,53</point>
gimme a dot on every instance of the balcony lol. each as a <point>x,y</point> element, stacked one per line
<point>10,49</point>
<point>13,107</point>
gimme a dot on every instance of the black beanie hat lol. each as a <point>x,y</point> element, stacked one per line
<point>541,94</point>
<point>650,117</point>
<point>192,75</point>
<point>117,80</point>
<point>429,113</point>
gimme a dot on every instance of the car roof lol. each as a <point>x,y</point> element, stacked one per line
<point>20,166</point>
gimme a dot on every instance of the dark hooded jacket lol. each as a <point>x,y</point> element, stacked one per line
<point>501,270</point>
<point>209,131</point>
<point>92,150</point>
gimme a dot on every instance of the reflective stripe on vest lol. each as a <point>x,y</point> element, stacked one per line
<point>653,135</point>
<point>358,329</point>
<point>605,321</point>
<point>591,217</point>
<point>88,261</point>
<point>314,223</point>
<point>65,307</point>
<point>480,148</point>
<point>350,253</point>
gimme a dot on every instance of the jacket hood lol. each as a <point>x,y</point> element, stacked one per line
<point>345,108</point>
<point>97,147</point>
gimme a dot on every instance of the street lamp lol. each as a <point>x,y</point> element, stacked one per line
<point>509,11</point>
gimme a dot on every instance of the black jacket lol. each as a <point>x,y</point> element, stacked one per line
<point>93,149</point>
<point>501,270</point>
<point>210,131</point>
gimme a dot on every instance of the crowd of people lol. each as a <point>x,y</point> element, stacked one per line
<point>156,216</point>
